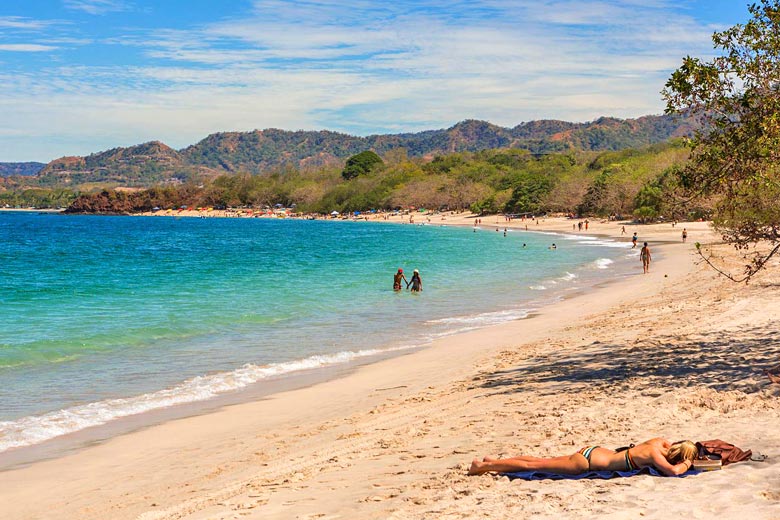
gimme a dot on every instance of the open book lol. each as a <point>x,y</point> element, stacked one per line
<point>707,464</point>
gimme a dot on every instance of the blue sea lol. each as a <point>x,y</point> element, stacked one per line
<point>107,317</point>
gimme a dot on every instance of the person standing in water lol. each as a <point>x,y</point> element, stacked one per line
<point>633,241</point>
<point>644,255</point>
<point>415,282</point>
<point>397,280</point>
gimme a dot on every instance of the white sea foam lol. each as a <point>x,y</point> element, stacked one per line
<point>474,321</point>
<point>550,233</point>
<point>38,428</point>
<point>603,263</point>
<point>568,277</point>
<point>583,238</point>
<point>538,288</point>
<point>606,243</point>
<point>596,241</point>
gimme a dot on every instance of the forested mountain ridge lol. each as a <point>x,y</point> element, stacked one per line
<point>272,149</point>
<point>145,164</point>
<point>20,168</point>
<point>626,182</point>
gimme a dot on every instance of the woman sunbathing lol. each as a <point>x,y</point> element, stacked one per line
<point>669,459</point>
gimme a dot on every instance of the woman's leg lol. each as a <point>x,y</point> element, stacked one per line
<point>565,464</point>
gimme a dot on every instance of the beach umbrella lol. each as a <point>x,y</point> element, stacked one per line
<point>334,213</point>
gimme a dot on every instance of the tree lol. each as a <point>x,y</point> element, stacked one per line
<point>648,202</point>
<point>528,192</point>
<point>361,164</point>
<point>735,155</point>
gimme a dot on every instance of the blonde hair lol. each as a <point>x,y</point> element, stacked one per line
<point>680,451</point>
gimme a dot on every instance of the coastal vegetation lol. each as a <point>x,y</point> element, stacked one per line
<point>735,154</point>
<point>627,183</point>
<point>37,198</point>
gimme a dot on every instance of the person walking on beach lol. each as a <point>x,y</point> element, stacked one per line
<point>415,282</point>
<point>669,459</point>
<point>623,230</point>
<point>397,280</point>
<point>633,240</point>
<point>684,235</point>
<point>644,255</point>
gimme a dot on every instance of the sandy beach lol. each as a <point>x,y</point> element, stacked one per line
<point>679,352</point>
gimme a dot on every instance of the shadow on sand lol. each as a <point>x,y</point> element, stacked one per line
<point>736,361</point>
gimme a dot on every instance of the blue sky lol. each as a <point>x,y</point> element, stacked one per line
<point>80,76</point>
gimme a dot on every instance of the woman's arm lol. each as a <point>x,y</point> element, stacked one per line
<point>663,465</point>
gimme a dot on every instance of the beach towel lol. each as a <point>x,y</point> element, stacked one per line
<point>538,475</point>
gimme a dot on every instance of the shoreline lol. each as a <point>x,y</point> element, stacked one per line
<point>394,437</point>
<point>32,210</point>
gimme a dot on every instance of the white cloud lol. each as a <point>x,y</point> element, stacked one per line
<point>96,6</point>
<point>19,23</point>
<point>26,47</point>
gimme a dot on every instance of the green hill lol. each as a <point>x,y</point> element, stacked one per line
<point>259,151</point>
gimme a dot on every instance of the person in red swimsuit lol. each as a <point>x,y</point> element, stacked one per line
<point>397,280</point>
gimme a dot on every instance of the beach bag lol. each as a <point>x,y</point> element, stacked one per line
<point>725,451</point>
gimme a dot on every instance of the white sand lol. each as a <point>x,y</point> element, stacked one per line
<point>677,353</point>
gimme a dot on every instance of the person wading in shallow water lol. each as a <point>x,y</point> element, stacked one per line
<point>397,280</point>
<point>415,282</point>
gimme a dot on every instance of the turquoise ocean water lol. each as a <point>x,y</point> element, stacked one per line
<point>106,317</point>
